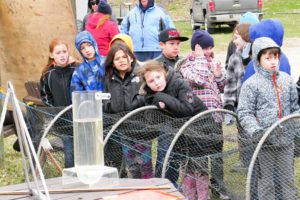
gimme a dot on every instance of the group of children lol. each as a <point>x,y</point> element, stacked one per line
<point>184,87</point>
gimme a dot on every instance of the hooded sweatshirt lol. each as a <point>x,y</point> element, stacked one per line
<point>266,97</point>
<point>103,34</point>
<point>273,29</point>
<point>90,74</point>
<point>123,37</point>
<point>143,25</point>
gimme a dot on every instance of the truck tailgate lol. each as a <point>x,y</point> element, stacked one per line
<point>235,6</point>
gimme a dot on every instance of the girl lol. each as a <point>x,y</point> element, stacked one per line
<point>55,86</point>
<point>123,83</point>
<point>103,28</point>
<point>236,66</point>
<point>204,73</point>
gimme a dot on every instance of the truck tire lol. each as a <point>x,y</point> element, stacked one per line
<point>207,25</point>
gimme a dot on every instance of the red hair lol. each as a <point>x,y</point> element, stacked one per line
<point>51,61</point>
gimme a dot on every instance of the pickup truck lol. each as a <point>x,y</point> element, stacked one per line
<point>212,13</point>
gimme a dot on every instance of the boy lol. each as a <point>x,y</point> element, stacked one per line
<point>90,73</point>
<point>169,41</point>
<point>266,97</point>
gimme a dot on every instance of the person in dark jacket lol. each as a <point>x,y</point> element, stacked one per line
<point>123,83</point>
<point>169,41</point>
<point>169,91</point>
<point>55,87</point>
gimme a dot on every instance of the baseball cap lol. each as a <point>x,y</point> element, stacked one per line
<point>171,34</point>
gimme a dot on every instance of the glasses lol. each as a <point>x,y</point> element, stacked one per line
<point>94,3</point>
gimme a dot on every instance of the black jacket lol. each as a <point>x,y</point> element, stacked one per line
<point>177,96</point>
<point>55,85</point>
<point>124,92</point>
<point>166,61</point>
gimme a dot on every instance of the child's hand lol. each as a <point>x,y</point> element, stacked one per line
<point>198,51</point>
<point>162,105</point>
<point>217,68</point>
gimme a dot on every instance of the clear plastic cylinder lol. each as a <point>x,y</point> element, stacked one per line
<point>88,135</point>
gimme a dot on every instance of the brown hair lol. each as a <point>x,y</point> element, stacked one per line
<point>102,20</point>
<point>243,31</point>
<point>109,62</point>
<point>52,45</point>
<point>272,51</point>
<point>150,66</point>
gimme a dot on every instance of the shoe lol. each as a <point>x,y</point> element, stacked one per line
<point>223,196</point>
<point>220,195</point>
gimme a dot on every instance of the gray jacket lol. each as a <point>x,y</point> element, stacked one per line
<point>258,106</point>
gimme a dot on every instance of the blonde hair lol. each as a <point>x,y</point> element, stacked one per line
<point>150,66</point>
<point>102,20</point>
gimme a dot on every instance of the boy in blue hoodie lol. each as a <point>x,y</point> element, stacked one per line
<point>273,29</point>
<point>90,73</point>
<point>265,98</point>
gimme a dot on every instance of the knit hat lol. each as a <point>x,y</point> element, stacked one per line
<point>203,38</point>
<point>104,8</point>
<point>123,37</point>
<point>249,18</point>
<point>171,34</point>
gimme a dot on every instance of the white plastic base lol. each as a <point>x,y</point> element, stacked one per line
<point>110,177</point>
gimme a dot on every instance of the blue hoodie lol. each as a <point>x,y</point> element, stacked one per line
<point>273,29</point>
<point>90,74</point>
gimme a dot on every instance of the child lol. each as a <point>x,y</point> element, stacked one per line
<point>55,86</point>
<point>236,68</point>
<point>123,83</point>
<point>169,41</point>
<point>90,74</point>
<point>169,91</point>
<point>266,97</point>
<point>205,75</point>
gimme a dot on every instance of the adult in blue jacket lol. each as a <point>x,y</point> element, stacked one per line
<point>273,29</point>
<point>143,24</point>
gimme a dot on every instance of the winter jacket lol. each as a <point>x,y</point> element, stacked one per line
<point>167,61</point>
<point>90,74</point>
<point>144,27</point>
<point>234,74</point>
<point>259,107</point>
<point>104,34</point>
<point>124,92</point>
<point>198,72</point>
<point>273,29</point>
<point>55,85</point>
<point>177,96</point>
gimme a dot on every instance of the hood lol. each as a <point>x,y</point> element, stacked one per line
<point>258,45</point>
<point>86,36</point>
<point>267,28</point>
<point>150,4</point>
<point>125,38</point>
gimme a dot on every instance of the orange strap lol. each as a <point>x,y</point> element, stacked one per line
<point>277,95</point>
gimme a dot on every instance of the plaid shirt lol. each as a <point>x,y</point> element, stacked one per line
<point>198,72</point>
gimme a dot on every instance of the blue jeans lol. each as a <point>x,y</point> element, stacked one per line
<point>68,150</point>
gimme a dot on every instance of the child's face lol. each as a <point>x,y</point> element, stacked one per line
<point>170,48</point>
<point>269,61</point>
<point>88,51</point>
<point>122,62</point>
<point>155,80</point>
<point>60,55</point>
<point>238,41</point>
<point>208,52</point>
